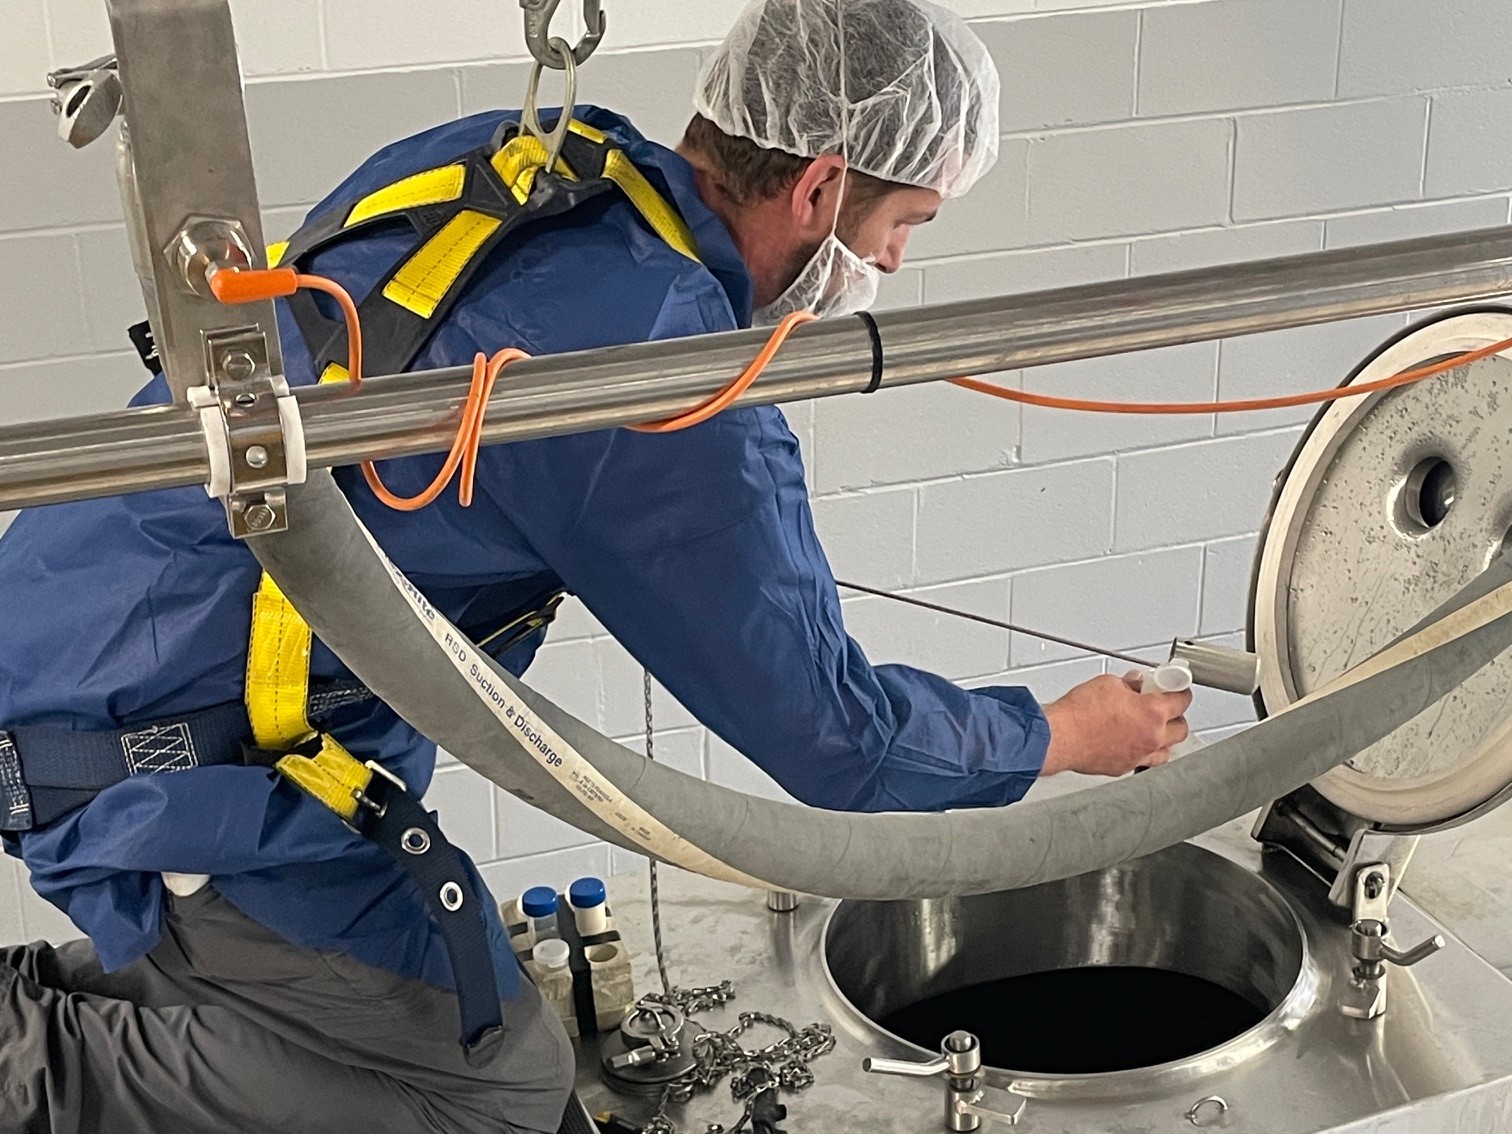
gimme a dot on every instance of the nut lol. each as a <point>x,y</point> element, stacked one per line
<point>239,366</point>
<point>259,517</point>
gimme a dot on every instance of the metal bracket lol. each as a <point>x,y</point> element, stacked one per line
<point>190,160</point>
<point>1332,843</point>
<point>1365,997</point>
<point>968,1101</point>
<point>253,430</point>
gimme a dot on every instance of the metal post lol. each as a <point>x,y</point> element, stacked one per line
<point>134,450</point>
<point>191,162</point>
<point>190,199</point>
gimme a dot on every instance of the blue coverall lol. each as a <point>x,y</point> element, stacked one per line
<point>696,550</point>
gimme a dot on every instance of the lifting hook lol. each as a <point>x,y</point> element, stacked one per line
<point>547,49</point>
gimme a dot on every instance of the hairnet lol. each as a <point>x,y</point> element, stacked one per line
<point>902,88</point>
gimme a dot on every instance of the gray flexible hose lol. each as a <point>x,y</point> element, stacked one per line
<point>331,571</point>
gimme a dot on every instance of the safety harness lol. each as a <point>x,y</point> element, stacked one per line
<point>460,212</point>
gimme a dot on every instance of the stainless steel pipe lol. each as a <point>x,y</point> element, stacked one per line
<point>135,450</point>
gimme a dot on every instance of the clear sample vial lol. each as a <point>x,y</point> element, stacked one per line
<point>539,905</point>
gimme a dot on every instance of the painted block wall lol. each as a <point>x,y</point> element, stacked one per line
<point>1138,138</point>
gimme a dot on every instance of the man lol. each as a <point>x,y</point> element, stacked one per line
<point>255,964</point>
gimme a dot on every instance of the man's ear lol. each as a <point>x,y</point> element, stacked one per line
<point>815,197</point>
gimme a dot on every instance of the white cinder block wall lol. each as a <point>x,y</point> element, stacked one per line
<point>1138,138</point>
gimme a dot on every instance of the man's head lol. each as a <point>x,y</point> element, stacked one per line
<point>839,118</point>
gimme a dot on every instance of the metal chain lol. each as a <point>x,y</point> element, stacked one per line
<point>656,926</point>
<point>718,1055</point>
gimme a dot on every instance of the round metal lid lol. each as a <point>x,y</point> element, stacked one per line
<point>1392,504</point>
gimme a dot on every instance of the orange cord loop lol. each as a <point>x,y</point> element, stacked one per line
<point>247,286</point>
<point>731,393</point>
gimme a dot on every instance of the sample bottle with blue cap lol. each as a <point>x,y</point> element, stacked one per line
<point>589,909</point>
<point>539,905</point>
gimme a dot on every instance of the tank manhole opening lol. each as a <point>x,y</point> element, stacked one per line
<point>1427,496</point>
<point>1152,963</point>
<point>1082,1021</point>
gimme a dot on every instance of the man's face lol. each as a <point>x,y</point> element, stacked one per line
<point>878,228</point>
<point>874,226</point>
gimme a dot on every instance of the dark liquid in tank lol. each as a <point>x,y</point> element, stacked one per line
<point>1082,1021</point>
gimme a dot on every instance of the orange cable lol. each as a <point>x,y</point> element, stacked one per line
<point>728,396</point>
<point>248,286</point>
<point>1405,378</point>
<point>343,300</point>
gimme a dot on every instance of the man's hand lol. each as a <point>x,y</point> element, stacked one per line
<point>1106,727</point>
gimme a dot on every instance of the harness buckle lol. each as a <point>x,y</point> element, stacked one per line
<point>364,800</point>
<point>377,808</point>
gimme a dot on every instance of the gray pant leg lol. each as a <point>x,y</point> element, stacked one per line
<point>225,1026</point>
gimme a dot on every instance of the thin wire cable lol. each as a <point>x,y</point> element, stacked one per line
<point>1056,638</point>
<point>656,927</point>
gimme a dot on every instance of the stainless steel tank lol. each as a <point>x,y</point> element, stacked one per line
<point>1266,978</point>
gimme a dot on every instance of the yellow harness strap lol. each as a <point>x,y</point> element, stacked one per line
<point>278,656</point>
<point>278,685</point>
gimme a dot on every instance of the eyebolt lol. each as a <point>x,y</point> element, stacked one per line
<point>1205,1112</point>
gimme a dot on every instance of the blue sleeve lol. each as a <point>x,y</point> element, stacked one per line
<point>697,550</point>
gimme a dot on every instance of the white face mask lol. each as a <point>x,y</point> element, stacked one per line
<point>835,281</point>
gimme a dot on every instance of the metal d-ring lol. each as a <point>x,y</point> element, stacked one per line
<point>530,119</point>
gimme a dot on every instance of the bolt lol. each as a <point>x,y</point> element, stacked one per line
<point>245,401</point>
<point>1374,885</point>
<point>238,366</point>
<point>259,517</point>
<point>257,457</point>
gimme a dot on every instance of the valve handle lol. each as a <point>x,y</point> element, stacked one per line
<point>1408,958</point>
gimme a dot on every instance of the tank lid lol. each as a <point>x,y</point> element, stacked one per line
<point>1391,506</point>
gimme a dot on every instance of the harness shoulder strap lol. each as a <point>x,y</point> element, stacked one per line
<point>460,212</point>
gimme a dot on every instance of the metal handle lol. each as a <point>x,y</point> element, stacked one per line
<point>904,1067</point>
<point>1417,953</point>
